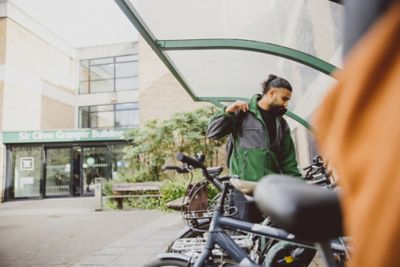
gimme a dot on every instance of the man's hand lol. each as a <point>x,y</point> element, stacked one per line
<point>236,106</point>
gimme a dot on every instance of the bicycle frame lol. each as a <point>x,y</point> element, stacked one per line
<point>218,236</point>
<point>219,222</point>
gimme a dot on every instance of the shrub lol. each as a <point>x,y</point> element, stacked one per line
<point>158,142</point>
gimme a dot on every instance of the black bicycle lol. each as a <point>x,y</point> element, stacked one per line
<point>197,212</point>
<point>219,239</point>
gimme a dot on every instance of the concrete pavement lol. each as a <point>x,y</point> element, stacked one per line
<point>68,232</point>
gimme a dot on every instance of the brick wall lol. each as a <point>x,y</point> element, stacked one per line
<point>160,95</point>
<point>56,114</point>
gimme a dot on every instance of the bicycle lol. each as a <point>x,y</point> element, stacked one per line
<point>316,173</point>
<point>196,211</point>
<point>198,215</point>
<point>219,225</point>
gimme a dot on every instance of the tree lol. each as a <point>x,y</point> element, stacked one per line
<point>158,142</point>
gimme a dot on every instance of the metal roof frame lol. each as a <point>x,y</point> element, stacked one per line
<point>159,46</point>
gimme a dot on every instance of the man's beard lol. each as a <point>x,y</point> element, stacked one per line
<point>277,110</point>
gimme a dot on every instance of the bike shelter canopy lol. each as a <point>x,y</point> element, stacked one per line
<point>221,50</point>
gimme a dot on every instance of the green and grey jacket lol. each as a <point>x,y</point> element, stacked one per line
<point>252,156</point>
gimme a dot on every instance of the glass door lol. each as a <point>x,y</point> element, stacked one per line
<point>95,165</point>
<point>26,171</point>
<point>76,171</point>
<point>58,172</point>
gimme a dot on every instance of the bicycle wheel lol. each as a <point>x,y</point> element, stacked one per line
<point>190,232</point>
<point>165,262</point>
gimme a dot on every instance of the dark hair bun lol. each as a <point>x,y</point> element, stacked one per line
<point>271,77</point>
<point>275,81</point>
<point>266,83</point>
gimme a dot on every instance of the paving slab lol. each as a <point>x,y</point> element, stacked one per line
<point>68,232</point>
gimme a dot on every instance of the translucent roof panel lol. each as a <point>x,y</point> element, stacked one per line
<point>311,26</point>
<point>236,73</point>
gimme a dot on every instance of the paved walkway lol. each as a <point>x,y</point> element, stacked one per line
<point>68,232</point>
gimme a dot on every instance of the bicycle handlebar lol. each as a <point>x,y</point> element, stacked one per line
<point>190,161</point>
<point>199,165</point>
<point>176,168</point>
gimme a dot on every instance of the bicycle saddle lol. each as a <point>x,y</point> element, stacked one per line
<point>215,171</point>
<point>246,187</point>
<point>307,211</point>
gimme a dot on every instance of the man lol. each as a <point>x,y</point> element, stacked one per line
<point>259,144</point>
<point>259,141</point>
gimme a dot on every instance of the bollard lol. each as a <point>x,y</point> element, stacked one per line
<point>98,194</point>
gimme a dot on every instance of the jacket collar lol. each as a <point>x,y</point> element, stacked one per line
<point>253,106</point>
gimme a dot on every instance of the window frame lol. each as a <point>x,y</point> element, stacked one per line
<point>113,108</point>
<point>113,78</point>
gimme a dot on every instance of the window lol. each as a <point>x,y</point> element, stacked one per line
<point>107,116</point>
<point>110,74</point>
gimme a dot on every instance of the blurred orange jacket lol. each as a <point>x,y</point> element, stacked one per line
<point>358,130</point>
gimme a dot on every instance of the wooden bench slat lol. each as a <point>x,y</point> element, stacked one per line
<point>133,196</point>
<point>177,203</point>
<point>137,186</point>
<point>135,190</point>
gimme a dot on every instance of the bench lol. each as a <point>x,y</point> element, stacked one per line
<point>123,191</point>
<point>178,204</point>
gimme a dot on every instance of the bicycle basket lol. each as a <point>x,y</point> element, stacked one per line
<point>196,204</point>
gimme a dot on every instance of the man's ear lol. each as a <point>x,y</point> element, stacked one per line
<point>271,92</point>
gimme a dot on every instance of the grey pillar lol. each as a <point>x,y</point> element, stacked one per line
<point>98,194</point>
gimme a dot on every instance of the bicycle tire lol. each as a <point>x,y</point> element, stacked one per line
<point>165,262</point>
<point>190,233</point>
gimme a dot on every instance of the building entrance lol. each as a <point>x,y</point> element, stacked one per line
<point>95,164</point>
<point>60,169</point>
<point>63,172</point>
<point>72,171</point>
<point>58,172</point>
<point>61,163</point>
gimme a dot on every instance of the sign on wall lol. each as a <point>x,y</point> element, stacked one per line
<point>26,181</point>
<point>64,136</point>
<point>27,163</point>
